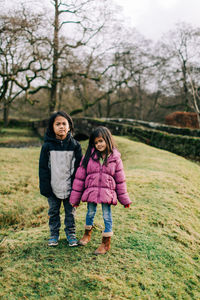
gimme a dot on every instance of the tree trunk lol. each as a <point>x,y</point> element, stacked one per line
<point>60,95</point>
<point>195,100</point>
<point>185,86</point>
<point>5,114</point>
<point>108,106</point>
<point>54,79</point>
<point>99,110</point>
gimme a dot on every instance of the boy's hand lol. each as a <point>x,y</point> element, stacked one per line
<point>127,205</point>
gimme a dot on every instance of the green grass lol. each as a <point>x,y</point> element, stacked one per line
<point>155,248</point>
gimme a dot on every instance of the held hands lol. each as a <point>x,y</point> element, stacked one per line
<point>126,206</point>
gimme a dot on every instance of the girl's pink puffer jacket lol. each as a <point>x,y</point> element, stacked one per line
<point>101,183</point>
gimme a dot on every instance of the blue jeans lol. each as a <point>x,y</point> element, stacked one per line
<point>107,215</point>
<point>54,216</point>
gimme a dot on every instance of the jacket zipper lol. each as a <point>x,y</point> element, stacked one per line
<point>99,188</point>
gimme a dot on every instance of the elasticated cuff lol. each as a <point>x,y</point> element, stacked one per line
<point>107,234</point>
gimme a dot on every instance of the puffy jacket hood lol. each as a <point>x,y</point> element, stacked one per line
<point>52,138</point>
<point>112,157</point>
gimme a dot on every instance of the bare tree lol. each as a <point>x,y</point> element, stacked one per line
<point>194,83</point>
<point>20,61</point>
<point>134,64</point>
<point>178,50</point>
<point>75,25</point>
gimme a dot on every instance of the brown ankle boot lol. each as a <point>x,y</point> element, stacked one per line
<point>105,245</point>
<point>87,236</point>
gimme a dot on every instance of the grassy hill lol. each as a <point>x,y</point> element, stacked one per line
<point>155,248</point>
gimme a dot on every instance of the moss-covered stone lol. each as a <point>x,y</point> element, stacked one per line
<point>185,142</point>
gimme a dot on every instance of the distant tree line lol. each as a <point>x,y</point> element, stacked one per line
<point>78,56</point>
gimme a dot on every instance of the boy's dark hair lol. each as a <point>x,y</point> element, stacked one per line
<point>105,133</point>
<point>50,131</point>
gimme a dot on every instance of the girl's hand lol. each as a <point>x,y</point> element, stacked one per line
<point>127,205</point>
<point>75,206</point>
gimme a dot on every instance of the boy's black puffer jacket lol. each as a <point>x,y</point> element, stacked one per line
<point>59,160</point>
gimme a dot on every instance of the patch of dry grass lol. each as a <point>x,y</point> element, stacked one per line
<point>21,204</point>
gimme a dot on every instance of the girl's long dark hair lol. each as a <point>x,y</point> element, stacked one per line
<point>105,133</point>
<point>50,131</point>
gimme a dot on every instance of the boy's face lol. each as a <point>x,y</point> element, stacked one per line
<point>61,127</point>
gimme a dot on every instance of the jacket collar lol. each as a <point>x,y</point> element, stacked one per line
<point>48,138</point>
<point>112,157</point>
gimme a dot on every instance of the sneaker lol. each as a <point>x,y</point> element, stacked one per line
<point>53,241</point>
<point>72,240</point>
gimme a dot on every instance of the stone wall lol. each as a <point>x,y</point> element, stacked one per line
<point>185,142</point>
<point>157,126</point>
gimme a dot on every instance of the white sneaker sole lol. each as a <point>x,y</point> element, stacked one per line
<point>52,244</point>
<point>73,245</point>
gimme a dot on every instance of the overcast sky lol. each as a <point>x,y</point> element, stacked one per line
<point>152,18</point>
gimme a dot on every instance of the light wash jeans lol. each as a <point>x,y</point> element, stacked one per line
<point>107,215</point>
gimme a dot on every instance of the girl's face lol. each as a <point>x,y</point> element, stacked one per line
<point>61,127</point>
<point>100,144</point>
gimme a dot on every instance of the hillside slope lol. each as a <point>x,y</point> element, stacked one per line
<point>155,248</point>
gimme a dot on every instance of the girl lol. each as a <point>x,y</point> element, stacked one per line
<point>100,179</point>
<point>59,158</point>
